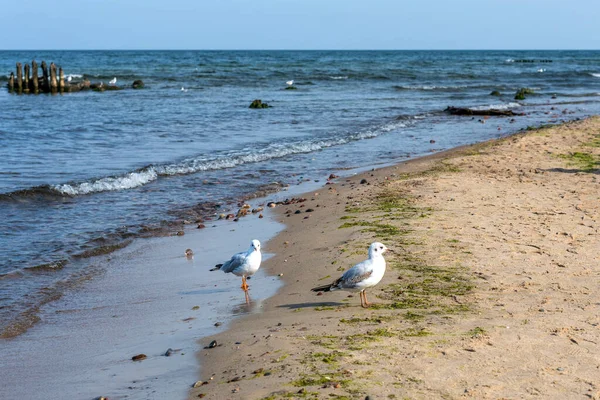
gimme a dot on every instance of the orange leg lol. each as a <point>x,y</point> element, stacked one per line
<point>247,297</point>
<point>362,302</point>
<point>367,304</point>
<point>244,286</point>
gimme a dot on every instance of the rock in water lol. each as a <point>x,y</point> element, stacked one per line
<point>137,84</point>
<point>139,357</point>
<point>259,104</point>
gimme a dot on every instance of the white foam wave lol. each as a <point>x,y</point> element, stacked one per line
<point>509,60</point>
<point>595,74</point>
<point>128,181</point>
<point>503,106</point>
<point>73,76</point>
<point>338,77</point>
<point>433,87</point>
<point>189,166</point>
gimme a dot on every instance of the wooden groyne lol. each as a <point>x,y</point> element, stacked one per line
<point>53,81</point>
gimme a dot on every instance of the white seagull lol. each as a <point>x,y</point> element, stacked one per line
<point>113,81</point>
<point>243,264</point>
<point>362,276</point>
<point>290,83</point>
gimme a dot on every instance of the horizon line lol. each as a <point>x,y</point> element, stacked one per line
<point>142,49</point>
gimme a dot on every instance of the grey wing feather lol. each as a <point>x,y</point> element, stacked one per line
<point>235,261</point>
<point>358,273</point>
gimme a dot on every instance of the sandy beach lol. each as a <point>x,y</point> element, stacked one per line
<point>492,291</point>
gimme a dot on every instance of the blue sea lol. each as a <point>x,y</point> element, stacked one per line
<point>86,171</point>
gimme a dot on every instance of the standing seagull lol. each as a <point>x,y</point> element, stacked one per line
<point>113,81</point>
<point>243,264</point>
<point>362,276</point>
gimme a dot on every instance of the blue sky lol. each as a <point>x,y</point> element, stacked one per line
<point>301,24</point>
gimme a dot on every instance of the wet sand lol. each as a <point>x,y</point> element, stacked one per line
<point>146,299</point>
<point>492,292</point>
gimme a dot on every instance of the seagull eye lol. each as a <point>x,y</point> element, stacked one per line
<point>381,248</point>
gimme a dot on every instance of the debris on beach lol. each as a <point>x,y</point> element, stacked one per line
<point>212,345</point>
<point>490,112</point>
<point>139,357</point>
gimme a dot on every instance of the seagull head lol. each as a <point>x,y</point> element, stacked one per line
<point>255,246</point>
<point>377,249</point>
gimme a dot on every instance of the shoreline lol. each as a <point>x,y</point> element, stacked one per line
<point>286,351</point>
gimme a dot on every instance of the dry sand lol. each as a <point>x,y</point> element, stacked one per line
<point>493,292</point>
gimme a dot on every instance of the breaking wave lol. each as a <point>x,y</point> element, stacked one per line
<point>502,106</point>
<point>193,165</point>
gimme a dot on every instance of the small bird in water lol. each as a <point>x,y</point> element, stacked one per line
<point>362,276</point>
<point>113,81</point>
<point>290,83</point>
<point>244,264</point>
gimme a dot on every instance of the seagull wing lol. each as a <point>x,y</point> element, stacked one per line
<point>355,275</point>
<point>236,261</point>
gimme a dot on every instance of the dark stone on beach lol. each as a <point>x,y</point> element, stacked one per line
<point>180,233</point>
<point>309,210</point>
<point>298,212</point>
<point>137,84</point>
<point>332,176</point>
<point>139,357</point>
<point>218,323</point>
<point>236,379</point>
<point>201,226</point>
<point>212,345</point>
<point>259,104</point>
<point>495,93</point>
<point>363,181</point>
<point>169,352</point>
<point>432,141</point>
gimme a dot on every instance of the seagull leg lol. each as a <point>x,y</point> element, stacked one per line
<point>367,304</point>
<point>244,286</point>
<point>362,303</point>
<point>247,297</point>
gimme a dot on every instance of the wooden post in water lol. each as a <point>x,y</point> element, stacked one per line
<point>11,82</point>
<point>45,82</point>
<point>61,80</point>
<point>26,81</point>
<point>19,78</point>
<point>53,81</point>
<point>34,77</point>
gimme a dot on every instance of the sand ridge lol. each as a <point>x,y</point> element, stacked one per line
<point>493,291</point>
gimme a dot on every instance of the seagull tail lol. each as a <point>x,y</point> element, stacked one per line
<point>216,268</point>
<point>324,288</point>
